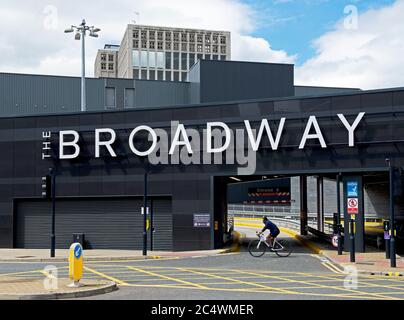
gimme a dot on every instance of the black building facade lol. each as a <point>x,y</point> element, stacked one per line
<point>102,196</point>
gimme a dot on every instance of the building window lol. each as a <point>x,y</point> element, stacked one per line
<point>110,66</point>
<point>152,59</point>
<point>191,59</point>
<point>168,60</point>
<point>215,49</point>
<point>152,35</point>
<point>168,36</point>
<point>192,37</point>
<point>160,45</point>
<point>135,58</point>
<point>136,74</point>
<point>103,57</point>
<point>144,35</point>
<point>136,44</point>
<point>152,75</point>
<point>160,35</point>
<point>184,61</point>
<point>183,76</point>
<point>215,57</point>
<point>176,61</point>
<point>199,57</point>
<point>192,47</point>
<point>136,34</point>
<point>215,39</point>
<point>103,66</point>
<point>222,57</point>
<point>199,38</point>
<point>110,57</point>
<point>168,75</point>
<point>199,48</point>
<point>176,76</point>
<point>207,48</point>
<point>144,44</point>
<point>168,45</point>
<point>160,60</point>
<point>152,45</point>
<point>143,74</point>
<point>160,75</point>
<point>223,50</point>
<point>176,46</point>
<point>176,36</point>
<point>183,47</point>
<point>207,38</point>
<point>183,37</point>
<point>143,59</point>
<point>222,40</point>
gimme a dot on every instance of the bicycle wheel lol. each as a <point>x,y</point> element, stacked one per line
<point>282,248</point>
<point>256,248</point>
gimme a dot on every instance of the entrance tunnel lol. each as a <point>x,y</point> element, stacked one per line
<point>308,205</point>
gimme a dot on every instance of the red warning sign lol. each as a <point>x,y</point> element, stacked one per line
<point>353,205</point>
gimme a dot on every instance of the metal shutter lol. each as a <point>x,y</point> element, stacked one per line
<point>108,223</point>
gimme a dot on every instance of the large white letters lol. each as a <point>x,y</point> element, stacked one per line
<point>351,128</point>
<point>152,147</point>
<point>255,143</point>
<point>63,144</point>
<point>177,142</point>
<point>307,135</point>
<point>209,137</point>
<point>107,143</point>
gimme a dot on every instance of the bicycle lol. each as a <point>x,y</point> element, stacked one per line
<point>257,248</point>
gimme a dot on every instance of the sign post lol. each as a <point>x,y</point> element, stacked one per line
<point>75,264</point>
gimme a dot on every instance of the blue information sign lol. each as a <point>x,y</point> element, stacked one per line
<point>352,188</point>
<point>77,252</point>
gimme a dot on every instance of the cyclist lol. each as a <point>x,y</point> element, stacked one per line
<point>273,230</point>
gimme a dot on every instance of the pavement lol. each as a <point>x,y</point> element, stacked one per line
<point>17,288</point>
<point>61,255</point>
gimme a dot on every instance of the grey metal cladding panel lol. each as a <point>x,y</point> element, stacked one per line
<point>42,94</point>
<point>240,81</point>
<point>161,93</point>
<point>309,90</point>
<point>46,94</point>
<point>107,223</point>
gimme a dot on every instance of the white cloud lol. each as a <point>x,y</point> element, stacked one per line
<point>29,45</point>
<point>369,57</point>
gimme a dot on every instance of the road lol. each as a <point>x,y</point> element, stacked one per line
<point>303,275</point>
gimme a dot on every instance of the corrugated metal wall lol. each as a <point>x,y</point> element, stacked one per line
<point>33,94</point>
<point>161,93</point>
<point>108,223</point>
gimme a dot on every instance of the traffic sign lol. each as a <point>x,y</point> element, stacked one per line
<point>353,205</point>
<point>334,241</point>
<point>352,188</point>
<point>75,264</point>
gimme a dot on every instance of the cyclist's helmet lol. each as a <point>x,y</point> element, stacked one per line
<point>264,219</point>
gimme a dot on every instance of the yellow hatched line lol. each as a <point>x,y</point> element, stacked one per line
<point>325,287</point>
<point>370,284</point>
<point>167,277</point>
<point>279,290</point>
<point>120,282</point>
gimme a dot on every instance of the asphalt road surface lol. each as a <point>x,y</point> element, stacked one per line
<point>302,275</point>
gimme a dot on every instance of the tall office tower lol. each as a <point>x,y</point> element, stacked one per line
<point>161,53</point>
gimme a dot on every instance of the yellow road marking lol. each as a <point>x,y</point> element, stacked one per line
<point>331,267</point>
<point>238,281</point>
<point>120,282</point>
<point>324,286</point>
<point>167,277</point>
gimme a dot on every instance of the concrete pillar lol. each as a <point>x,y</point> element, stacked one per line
<point>303,205</point>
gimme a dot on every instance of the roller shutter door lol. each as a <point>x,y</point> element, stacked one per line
<point>108,223</point>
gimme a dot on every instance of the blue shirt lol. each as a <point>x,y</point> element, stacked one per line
<point>271,227</point>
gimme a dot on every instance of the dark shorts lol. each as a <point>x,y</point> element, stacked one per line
<point>275,233</point>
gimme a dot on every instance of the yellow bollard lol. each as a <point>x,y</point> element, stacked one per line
<point>75,264</point>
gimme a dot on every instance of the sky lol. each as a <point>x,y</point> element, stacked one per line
<point>356,43</point>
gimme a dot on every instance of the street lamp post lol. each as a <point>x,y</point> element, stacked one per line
<point>81,32</point>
